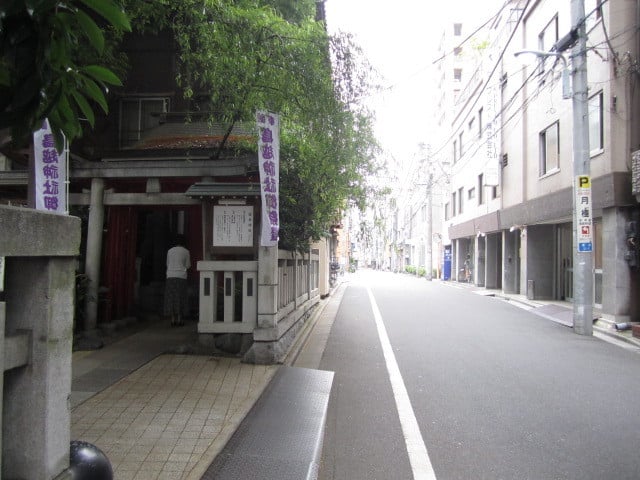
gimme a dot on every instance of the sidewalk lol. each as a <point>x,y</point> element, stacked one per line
<point>562,313</point>
<point>166,416</point>
<point>157,415</point>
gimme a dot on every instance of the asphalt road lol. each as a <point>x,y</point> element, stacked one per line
<point>497,392</point>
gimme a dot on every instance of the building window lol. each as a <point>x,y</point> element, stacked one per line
<point>546,39</point>
<point>471,124</point>
<point>453,204</point>
<point>460,200</point>
<point>457,51</point>
<point>460,137</point>
<point>550,149</point>
<point>471,193</point>
<point>481,189</point>
<point>592,12</point>
<point>457,29</point>
<point>447,213</point>
<point>138,115</point>
<point>457,74</point>
<point>480,119</point>
<point>596,130</point>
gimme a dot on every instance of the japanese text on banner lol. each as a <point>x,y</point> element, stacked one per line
<point>269,164</point>
<point>50,172</point>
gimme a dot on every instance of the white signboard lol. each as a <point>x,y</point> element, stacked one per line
<point>1,274</point>
<point>50,172</point>
<point>269,165</point>
<point>492,171</point>
<point>232,226</point>
<point>584,224</point>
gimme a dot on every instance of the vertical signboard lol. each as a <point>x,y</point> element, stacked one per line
<point>492,171</point>
<point>446,269</point>
<point>584,224</point>
<point>50,172</point>
<point>269,165</point>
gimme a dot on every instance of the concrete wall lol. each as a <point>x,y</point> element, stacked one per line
<point>511,261</point>
<point>620,282</point>
<point>540,261</point>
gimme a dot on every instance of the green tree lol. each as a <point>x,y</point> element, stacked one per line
<point>235,57</point>
<point>52,64</point>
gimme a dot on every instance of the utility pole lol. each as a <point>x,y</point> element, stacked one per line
<point>428,261</point>
<point>429,229</point>
<point>582,202</point>
<point>582,206</point>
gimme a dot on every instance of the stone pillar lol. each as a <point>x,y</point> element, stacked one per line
<point>323,267</point>
<point>266,348</point>
<point>479,271</point>
<point>39,291</point>
<point>510,261</point>
<point>93,256</point>
<point>618,303</point>
<point>492,259</point>
<point>267,287</point>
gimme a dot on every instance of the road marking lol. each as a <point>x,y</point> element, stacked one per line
<point>418,456</point>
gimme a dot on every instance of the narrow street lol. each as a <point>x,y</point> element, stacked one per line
<point>494,391</point>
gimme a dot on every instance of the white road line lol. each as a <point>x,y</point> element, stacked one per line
<point>418,456</point>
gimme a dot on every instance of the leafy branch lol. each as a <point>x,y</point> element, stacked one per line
<point>47,71</point>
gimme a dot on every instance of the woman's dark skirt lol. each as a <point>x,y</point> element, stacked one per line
<point>176,297</point>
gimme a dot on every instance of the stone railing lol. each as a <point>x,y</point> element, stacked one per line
<point>228,296</point>
<point>270,302</point>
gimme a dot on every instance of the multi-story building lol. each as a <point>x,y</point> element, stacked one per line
<point>511,144</point>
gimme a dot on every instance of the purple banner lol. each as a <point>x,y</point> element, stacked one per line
<point>50,172</point>
<point>269,164</point>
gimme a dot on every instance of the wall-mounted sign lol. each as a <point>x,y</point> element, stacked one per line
<point>1,274</point>
<point>232,226</point>
<point>584,223</point>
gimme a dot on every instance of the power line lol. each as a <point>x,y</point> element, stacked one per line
<point>470,36</point>
<point>493,70</point>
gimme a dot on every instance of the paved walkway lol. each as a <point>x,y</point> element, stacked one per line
<point>157,415</point>
<point>163,415</point>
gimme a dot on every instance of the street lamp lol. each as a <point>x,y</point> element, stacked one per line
<point>582,205</point>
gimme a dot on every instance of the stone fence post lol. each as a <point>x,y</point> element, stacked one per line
<point>36,336</point>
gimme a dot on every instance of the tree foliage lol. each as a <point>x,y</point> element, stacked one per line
<point>236,57</point>
<point>52,64</point>
<point>233,57</point>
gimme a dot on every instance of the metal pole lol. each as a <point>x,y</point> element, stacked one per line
<point>582,207</point>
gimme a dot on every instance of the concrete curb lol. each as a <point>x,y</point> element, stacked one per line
<point>303,336</point>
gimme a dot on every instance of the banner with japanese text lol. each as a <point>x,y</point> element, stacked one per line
<point>50,172</point>
<point>269,164</point>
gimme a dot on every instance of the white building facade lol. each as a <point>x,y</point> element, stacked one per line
<point>511,145</point>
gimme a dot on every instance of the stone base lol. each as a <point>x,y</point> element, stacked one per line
<point>635,330</point>
<point>88,341</point>
<point>273,352</point>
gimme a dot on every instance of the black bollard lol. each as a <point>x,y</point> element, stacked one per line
<point>88,462</point>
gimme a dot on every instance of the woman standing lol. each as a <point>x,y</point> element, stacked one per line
<point>176,295</point>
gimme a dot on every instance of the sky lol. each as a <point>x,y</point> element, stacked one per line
<point>400,37</point>
<point>395,36</point>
